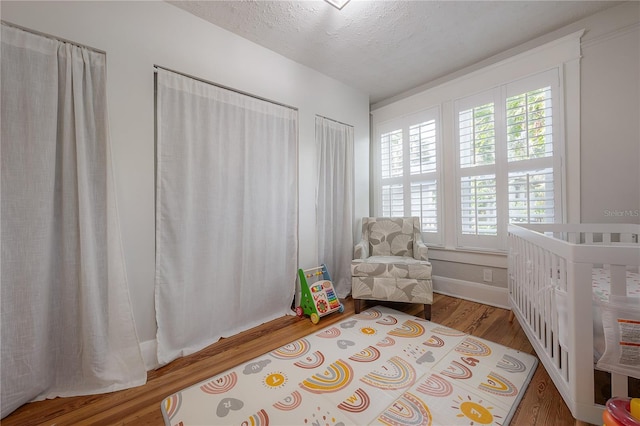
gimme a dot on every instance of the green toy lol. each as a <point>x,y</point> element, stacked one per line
<point>318,297</point>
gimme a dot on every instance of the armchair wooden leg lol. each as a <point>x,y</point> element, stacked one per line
<point>427,312</point>
<point>357,305</point>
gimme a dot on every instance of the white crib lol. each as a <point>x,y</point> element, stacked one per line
<point>548,260</point>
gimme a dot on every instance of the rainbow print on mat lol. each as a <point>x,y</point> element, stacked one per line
<point>337,376</point>
<point>379,367</point>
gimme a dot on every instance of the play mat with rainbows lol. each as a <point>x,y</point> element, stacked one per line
<point>377,367</point>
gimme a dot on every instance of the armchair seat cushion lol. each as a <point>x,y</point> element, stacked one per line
<point>391,267</point>
<point>393,289</point>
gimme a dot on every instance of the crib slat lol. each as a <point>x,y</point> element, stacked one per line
<point>619,385</point>
<point>618,280</point>
<point>588,237</point>
<point>546,301</point>
<point>564,357</point>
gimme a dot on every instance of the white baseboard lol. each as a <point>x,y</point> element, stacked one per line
<point>475,292</point>
<point>149,351</point>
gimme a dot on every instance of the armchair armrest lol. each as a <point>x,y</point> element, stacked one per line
<point>361,250</point>
<point>420,249</point>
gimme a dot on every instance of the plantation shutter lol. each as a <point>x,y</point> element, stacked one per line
<point>424,204</point>
<point>478,154</point>
<point>477,170</point>
<point>530,152</point>
<point>422,147</point>
<point>409,182</point>
<point>423,165</point>
<point>392,200</point>
<point>391,153</point>
<point>509,161</point>
<point>478,200</point>
<point>531,196</point>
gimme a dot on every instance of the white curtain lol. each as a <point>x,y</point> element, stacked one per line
<point>226,213</point>
<point>334,201</point>
<point>67,324</point>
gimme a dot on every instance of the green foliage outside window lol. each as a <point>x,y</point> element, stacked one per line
<point>529,125</point>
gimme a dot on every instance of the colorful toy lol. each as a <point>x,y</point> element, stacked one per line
<point>622,412</point>
<point>318,296</point>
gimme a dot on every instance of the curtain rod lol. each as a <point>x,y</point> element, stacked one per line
<point>221,86</point>
<point>52,37</point>
<point>335,121</point>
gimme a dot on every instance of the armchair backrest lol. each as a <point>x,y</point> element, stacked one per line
<point>390,236</point>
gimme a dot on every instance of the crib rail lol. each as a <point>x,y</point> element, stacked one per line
<point>550,292</point>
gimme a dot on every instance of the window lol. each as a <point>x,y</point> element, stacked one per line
<point>530,157</point>
<point>478,209</point>
<point>507,171</point>
<point>489,152</point>
<point>408,173</point>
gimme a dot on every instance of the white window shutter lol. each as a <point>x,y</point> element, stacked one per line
<point>391,154</point>
<point>422,147</point>
<point>476,127</point>
<point>408,173</point>
<point>424,204</point>
<point>529,125</point>
<point>392,200</point>
<point>531,197</point>
<point>478,205</point>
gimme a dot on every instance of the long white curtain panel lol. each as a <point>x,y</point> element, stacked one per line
<point>226,213</point>
<point>67,324</point>
<point>334,201</point>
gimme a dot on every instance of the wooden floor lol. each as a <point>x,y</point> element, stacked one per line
<point>541,405</point>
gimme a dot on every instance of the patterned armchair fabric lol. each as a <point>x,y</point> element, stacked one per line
<point>391,262</point>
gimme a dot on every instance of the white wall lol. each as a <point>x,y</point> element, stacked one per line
<point>610,117</point>
<point>137,35</point>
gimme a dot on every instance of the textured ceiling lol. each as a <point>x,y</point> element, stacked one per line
<point>384,48</point>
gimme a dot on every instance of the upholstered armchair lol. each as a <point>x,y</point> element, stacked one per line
<point>391,263</point>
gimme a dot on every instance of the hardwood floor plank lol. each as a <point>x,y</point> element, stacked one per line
<point>541,404</point>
